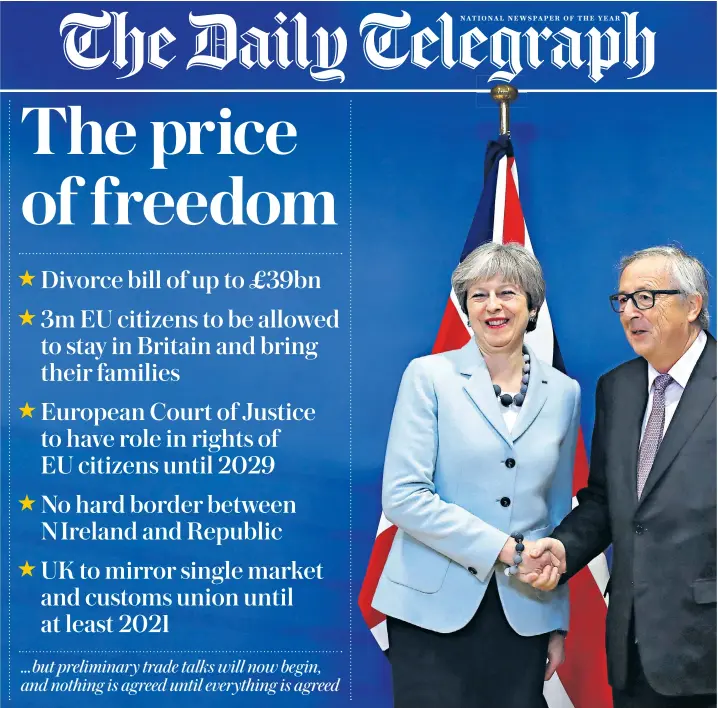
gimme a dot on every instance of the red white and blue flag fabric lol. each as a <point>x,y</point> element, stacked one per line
<point>581,681</point>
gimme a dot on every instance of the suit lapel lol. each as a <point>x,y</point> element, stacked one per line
<point>480,389</point>
<point>535,398</point>
<point>697,397</point>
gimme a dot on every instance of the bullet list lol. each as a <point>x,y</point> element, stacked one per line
<point>27,569</point>
<point>26,279</point>
<point>26,411</point>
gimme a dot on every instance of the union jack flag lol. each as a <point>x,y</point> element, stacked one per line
<point>581,682</point>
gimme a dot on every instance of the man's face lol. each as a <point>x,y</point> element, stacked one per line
<point>661,333</point>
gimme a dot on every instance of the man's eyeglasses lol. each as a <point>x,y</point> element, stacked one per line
<point>642,299</point>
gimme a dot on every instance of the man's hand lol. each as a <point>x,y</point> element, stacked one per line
<point>547,577</point>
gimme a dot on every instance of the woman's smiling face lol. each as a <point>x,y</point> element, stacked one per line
<point>498,313</point>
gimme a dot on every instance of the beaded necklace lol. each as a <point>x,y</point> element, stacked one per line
<point>507,399</point>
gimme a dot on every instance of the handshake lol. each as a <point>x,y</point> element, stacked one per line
<point>542,564</point>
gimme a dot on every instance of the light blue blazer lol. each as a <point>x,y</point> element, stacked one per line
<point>445,475</point>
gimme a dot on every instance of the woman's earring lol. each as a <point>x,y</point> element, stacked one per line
<point>468,323</point>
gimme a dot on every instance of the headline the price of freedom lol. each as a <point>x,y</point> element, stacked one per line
<point>123,207</point>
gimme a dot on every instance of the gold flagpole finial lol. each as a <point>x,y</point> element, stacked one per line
<point>504,94</point>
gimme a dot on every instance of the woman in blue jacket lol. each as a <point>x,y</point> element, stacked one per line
<point>479,463</point>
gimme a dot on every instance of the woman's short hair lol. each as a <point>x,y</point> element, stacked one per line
<point>511,261</point>
<point>688,274</point>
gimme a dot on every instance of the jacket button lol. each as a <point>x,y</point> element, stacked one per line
<point>510,462</point>
<point>505,501</point>
<point>639,529</point>
<point>472,571</point>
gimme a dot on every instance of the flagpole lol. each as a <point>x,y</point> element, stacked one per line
<point>504,94</point>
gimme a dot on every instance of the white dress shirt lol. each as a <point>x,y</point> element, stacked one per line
<point>680,372</point>
<point>509,413</point>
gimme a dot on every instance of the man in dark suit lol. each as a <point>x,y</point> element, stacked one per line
<point>652,490</point>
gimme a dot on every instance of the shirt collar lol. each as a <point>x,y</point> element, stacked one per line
<point>681,371</point>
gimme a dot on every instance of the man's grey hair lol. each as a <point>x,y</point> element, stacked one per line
<point>511,261</point>
<point>689,275</point>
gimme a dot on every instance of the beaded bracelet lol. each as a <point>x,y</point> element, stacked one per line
<point>514,569</point>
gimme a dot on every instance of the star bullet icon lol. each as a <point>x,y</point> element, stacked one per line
<point>26,318</point>
<point>26,503</point>
<point>27,410</point>
<point>26,279</point>
<point>27,569</point>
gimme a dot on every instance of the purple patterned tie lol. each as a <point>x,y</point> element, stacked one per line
<point>653,434</point>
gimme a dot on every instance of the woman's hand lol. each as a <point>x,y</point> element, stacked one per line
<point>508,552</point>
<point>556,654</point>
<point>532,564</point>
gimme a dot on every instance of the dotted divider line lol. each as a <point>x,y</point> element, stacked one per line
<point>180,651</point>
<point>351,461</point>
<point>9,404</point>
<point>176,253</point>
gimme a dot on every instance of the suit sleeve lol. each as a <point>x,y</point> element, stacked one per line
<point>409,496</point>
<point>560,494</point>
<point>586,531</point>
